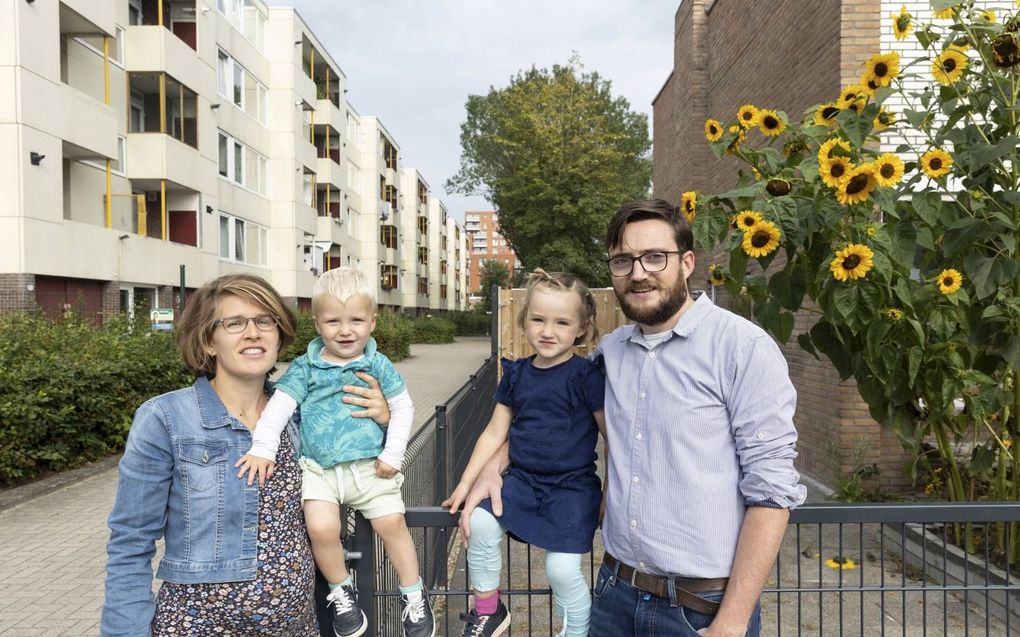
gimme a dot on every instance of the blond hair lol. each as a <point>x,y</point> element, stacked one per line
<point>195,328</point>
<point>342,284</point>
<point>563,282</point>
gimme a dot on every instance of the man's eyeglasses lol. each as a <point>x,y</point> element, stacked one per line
<point>650,261</point>
<point>238,324</point>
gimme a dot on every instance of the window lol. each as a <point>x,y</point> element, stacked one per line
<point>243,241</point>
<point>242,165</point>
<point>95,44</point>
<point>134,12</point>
<point>388,277</point>
<point>388,236</point>
<point>222,73</point>
<point>235,83</point>
<point>247,17</point>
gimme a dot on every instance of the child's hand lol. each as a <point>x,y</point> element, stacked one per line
<point>384,470</point>
<point>255,466</point>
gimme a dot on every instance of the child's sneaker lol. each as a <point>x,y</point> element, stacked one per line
<point>419,620</point>
<point>476,625</point>
<point>348,618</point>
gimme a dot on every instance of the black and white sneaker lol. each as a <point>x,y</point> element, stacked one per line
<point>348,618</point>
<point>476,625</point>
<point>419,619</point>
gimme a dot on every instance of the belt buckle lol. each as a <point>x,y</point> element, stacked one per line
<point>633,578</point>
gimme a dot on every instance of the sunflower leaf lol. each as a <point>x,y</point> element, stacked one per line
<point>804,340</point>
<point>927,205</point>
<point>845,299</point>
<point>914,356</point>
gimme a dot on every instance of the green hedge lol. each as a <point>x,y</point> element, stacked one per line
<point>433,330</point>
<point>471,323</point>
<point>393,334</point>
<point>68,389</point>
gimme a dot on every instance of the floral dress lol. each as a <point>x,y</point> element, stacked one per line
<point>279,600</point>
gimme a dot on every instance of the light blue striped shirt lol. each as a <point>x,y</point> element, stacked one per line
<point>700,426</point>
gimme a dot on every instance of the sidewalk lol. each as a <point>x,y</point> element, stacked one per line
<point>53,542</point>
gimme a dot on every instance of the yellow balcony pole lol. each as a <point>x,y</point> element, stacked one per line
<point>162,208</point>
<point>162,102</point>
<point>109,197</point>
<point>311,127</point>
<point>159,5</point>
<point>142,215</point>
<point>106,70</point>
<point>180,93</point>
<point>329,212</point>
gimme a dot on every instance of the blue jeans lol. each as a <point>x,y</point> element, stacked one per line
<point>619,610</point>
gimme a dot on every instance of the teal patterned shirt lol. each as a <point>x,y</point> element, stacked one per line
<point>329,434</point>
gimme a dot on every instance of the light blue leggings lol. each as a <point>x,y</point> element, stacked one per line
<point>570,591</point>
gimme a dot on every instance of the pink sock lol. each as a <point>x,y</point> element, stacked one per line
<point>488,605</point>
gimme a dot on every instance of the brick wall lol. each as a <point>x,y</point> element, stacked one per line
<point>787,55</point>
<point>14,292</point>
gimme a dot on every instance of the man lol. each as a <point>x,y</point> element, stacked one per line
<point>699,416</point>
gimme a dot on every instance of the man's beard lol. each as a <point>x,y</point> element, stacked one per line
<point>660,313</point>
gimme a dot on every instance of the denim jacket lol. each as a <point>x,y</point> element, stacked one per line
<point>178,482</point>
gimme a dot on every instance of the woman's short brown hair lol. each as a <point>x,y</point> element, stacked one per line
<point>195,327</point>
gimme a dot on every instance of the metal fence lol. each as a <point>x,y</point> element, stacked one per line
<point>874,569</point>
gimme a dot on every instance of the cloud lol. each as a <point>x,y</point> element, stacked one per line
<point>413,63</point>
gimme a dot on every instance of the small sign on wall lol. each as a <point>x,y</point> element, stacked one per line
<point>162,318</point>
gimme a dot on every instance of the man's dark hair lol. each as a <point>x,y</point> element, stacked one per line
<point>650,209</point>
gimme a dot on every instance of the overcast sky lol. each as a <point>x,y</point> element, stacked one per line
<point>413,63</point>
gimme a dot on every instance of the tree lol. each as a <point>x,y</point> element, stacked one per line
<point>556,154</point>
<point>493,272</point>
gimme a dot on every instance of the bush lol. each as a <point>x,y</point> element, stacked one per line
<point>394,334</point>
<point>471,323</point>
<point>433,330</point>
<point>69,389</point>
<point>305,333</point>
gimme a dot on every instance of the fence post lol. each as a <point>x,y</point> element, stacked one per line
<point>364,568</point>
<point>494,321</point>
<point>442,490</point>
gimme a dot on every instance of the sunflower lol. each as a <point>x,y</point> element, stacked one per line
<point>770,123</point>
<point>825,150</point>
<point>852,262</point>
<point>986,15</point>
<point>857,186</point>
<point>947,13</point>
<point>746,219</point>
<point>713,130</point>
<point>936,162</point>
<point>883,67</point>
<point>949,281</point>
<point>893,314</point>
<point>883,120</point>
<point>901,25</point>
<point>740,138</point>
<point>794,147</point>
<point>1006,50</point>
<point>852,98</point>
<point>834,169</point>
<point>841,563</point>
<point>888,169</point>
<point>948,66</point>
<point>716,275</point>
<point>689,204</point>
<point>747,115</point>
<point>825,114</point>
<point>869,83</point>
<point>777,187</point>
<point>761,239</point>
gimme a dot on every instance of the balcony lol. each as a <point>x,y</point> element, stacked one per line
<point>161,104</point>
<point>154,49</point>
<point>88,126</point>
<point>155,157</point>
<point>329,230</point>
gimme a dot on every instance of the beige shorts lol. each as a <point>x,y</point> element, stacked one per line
<point>353,484</point>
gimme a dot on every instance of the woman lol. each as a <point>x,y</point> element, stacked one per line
<point>237,557</point>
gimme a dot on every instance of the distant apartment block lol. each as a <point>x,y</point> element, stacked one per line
<point>143,136</point>
<point>487,244</point>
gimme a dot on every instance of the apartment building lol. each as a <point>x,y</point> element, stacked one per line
<point>150,142</point>
<point>486,244</point>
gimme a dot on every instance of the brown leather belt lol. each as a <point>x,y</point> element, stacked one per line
<point>658,585</point>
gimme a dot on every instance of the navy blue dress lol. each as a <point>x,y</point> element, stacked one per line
<point>551,493</point>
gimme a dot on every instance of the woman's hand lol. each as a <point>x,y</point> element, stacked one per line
<point>255,467</point>
<point>370,399</point>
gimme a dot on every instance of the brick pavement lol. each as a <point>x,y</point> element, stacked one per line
<point>52,546</point>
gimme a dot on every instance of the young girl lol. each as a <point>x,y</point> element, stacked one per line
<point>550,407</point>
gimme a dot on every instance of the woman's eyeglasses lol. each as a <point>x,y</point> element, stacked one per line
<point>238,324</point>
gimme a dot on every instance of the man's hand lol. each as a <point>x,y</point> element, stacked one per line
<point>255,467</point>
<point>384,470</point>
<point>370,399</point>
<point>727,631</point>
<point>456,498</point>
